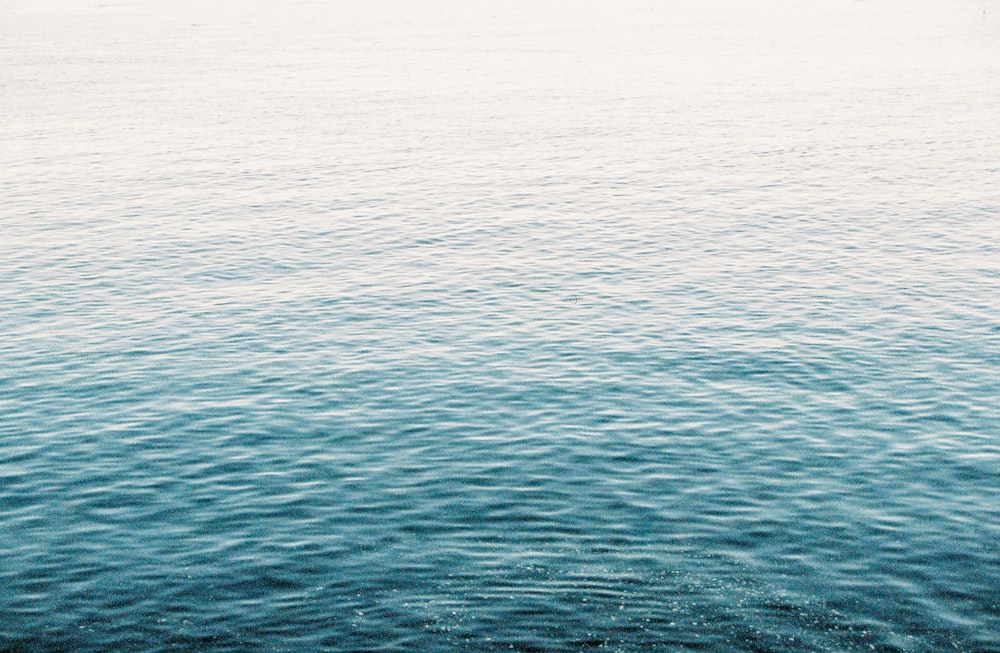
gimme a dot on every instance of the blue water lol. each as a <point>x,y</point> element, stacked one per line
<point>488,327</point>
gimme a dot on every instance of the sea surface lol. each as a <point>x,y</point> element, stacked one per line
<point>485,326</point>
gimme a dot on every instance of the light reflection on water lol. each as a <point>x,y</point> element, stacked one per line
<point>475,328</point>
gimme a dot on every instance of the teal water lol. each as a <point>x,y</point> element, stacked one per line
<point>535,327</point>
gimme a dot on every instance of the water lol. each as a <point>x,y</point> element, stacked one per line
<point>499,326</point>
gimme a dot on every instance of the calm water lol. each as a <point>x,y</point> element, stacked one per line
<point>488,326</point>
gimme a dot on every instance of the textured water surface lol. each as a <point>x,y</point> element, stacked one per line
<point>500,326</point>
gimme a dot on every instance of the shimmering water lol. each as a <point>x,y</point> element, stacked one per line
<point>490,326</point>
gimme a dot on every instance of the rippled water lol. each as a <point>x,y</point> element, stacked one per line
<point>500,326</point>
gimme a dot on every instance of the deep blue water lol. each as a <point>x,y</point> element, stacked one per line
<point>531,327</point>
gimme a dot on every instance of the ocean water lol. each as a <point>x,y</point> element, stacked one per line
<point>491,326</point>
